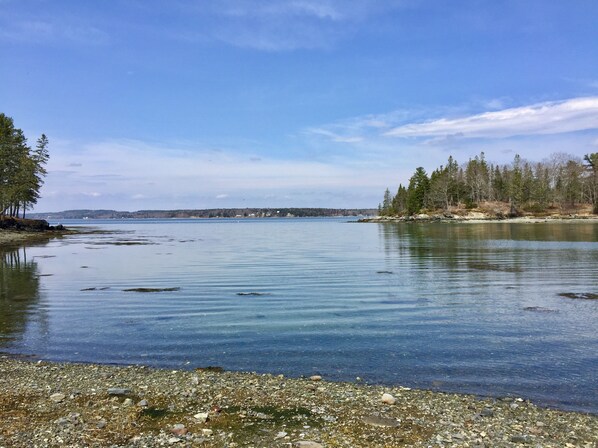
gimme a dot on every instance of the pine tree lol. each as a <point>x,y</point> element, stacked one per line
<point>419,185</point>
<point>592,168</point>
<point>21,169</point>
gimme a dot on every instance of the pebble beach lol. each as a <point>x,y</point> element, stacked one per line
<point>44,404</point>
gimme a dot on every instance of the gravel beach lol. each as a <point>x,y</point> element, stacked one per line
<point>46,404</point>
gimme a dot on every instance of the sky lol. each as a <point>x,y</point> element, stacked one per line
<point>289,103</point>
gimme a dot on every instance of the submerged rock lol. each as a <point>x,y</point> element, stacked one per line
<point>539,309</point>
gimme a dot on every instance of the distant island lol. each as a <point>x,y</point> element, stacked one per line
<point>206,213</point>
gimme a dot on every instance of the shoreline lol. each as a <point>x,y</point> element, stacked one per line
<point>480,218</point>
<point>18,238</point>
<point>58,404</point>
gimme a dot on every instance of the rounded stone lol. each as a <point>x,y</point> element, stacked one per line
<point>388,399</point>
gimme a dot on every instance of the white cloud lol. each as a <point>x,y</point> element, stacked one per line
<point>222,196</point>
<point>555,117</point>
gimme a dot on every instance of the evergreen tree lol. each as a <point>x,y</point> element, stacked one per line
<point>21,169</point>
<point>386,209</point>
<point>516,185</point>
<point>591,161</point>
<point>419,185</point>
<point>399,202</point>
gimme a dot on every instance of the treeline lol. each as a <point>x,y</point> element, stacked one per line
<point>563,182</point>
<point>207,213</point>
<point>22,169</point>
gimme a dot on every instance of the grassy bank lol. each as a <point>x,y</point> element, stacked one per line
<point>50,405</point>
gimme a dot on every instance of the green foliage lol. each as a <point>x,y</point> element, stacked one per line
<point>22,168</point>
<point>562,181</point>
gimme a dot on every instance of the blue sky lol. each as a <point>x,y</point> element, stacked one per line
<point>233,103</point>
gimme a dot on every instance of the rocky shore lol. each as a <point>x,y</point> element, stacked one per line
<point>16,231</point>
<point>480,217</point>
<point>46,404</point>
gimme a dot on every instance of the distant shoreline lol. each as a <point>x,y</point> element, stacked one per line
<point>237,213</point>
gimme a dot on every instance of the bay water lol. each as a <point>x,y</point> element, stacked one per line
<point>495,309</point>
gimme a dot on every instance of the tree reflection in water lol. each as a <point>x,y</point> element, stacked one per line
<point>19,293</point>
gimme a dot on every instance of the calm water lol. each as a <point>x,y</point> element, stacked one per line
<point>458,307</point>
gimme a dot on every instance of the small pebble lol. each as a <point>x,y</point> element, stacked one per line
<point>520,439</point>
<point>388,399</point>
<point>307,444</point>
<point>487,413</point>
<point>201,416</point>
<point>315,378</point>
<point>179,429</point>
<point>118,391</point>
<point>57,398</point>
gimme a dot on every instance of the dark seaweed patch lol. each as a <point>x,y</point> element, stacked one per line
<point>253,294</point>
<point>539,309</point>
<point>580,295</point>
<point>493,267</point>
<point>151,289</point>
<point>154,413</point>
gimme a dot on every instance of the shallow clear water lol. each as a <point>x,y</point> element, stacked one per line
<point>455,307</point>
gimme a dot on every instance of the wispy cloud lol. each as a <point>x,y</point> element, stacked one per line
<point>555,117</point>
<point>280,25</point>
<point>334,136</point>
<point>50,31</point>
